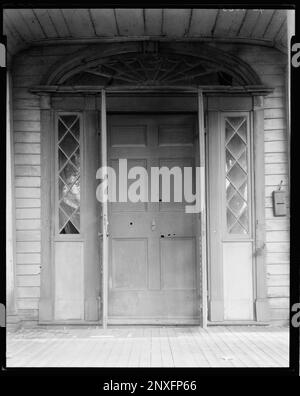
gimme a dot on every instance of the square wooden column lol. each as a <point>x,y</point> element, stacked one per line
<point>202,242</point>
<point>46,304</point>
<point>11,309</point>
<point>261,301</point>
<point>104,214</point>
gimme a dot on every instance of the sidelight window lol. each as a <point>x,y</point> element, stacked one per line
<point>68,177</point>
<point>237,174</point>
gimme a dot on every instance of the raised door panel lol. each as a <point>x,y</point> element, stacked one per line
<point>178,263</point>
<point>129,263</point>
<point>238,288</point>
<point>69,291</point>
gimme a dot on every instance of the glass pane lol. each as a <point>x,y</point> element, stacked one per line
<point>68,144</point>
<point>236,204</point>
<point>236,121</point>
<point>243,161</point>
<point>68,120</point>
<point>69,174</point>
<point>230,218</point>
<point>243,190</point>
<point>76,159</point>
<point>236,181</point>
<point>230,190</point>
<point>62,188</point>
<point>62,159</point>
<point>76,129</point>
<point>236,146</point>
<point>237,229</point>
<point>68,177</point>
<point>72,197</point>
<point>243,131</point>
<point>76,219</point>
<point>69,229</point>
<point>229,160</point>
<point>243,219</point>
<point>229,132</point>
<point>62,218</point>
<point>61,129</point>
<point>67,208</point>
<point>236,175</point>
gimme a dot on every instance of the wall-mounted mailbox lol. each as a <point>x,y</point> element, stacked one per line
<point>279,203</point>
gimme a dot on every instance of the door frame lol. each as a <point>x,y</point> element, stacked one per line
<point>91,103</point>
<point>199,218</point>
<point>201,243</point>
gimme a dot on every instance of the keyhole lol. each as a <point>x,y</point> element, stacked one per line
<point>131,223</point>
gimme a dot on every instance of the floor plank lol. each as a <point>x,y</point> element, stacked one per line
<point>149,346</point>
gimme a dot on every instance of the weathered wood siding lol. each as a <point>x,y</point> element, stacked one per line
<point>28,69</point>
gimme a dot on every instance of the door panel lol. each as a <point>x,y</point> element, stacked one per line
<point>238,292</point>
<point>69,293</point>
<point>153,259</point>
<point>178,263</point>
<point>129,263</point>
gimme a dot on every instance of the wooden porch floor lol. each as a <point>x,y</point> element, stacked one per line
<point>219,346</point>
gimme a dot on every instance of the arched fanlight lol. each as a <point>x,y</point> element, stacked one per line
<point>155,69</point>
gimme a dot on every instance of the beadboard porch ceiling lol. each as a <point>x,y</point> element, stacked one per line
<point>27,27</point>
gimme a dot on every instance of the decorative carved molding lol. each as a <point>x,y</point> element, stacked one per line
<point>151,64</point>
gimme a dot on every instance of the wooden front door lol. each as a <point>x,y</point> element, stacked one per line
<point>153,272</point>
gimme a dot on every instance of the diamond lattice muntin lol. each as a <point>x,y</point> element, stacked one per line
<point>236,175</point>
<point>69,174</point>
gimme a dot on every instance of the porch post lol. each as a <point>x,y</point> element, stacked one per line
<point>203,208</point>
<point>46,303</point>
<point>11,310</point>
<point>104,214</point>
<point>261,302</point>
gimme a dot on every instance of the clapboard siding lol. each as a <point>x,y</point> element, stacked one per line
<point>28,258</point>
<point>28,203</point>
<point>25,224</point>
<point>27,126</point>
<point>27,170</point>
<point>27,192</point>
<point>278,280</point>
<point>275,135</point>
<point>30,67</point>
<point>34,235</point>
<point>21,159</point>
<point>28,213</point>
<point>26,120</point>
<point>27,115</point>
<point>274,158</point>
<point>34,181</point>
<point>26,104</point>
<point>277,169</point>
<point>27,137</point>
<point>277,269</point>
<point>28,280</point>
<point>29,269</point>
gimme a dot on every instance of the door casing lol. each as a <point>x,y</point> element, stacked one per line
<point>187,229</point>
<point>92,104</point>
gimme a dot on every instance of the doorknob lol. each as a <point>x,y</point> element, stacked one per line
<point>153,225</point>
